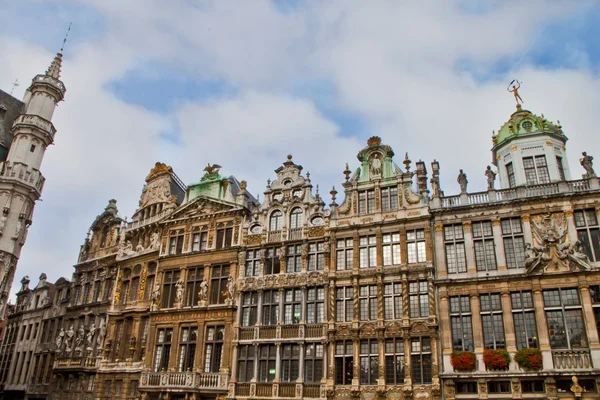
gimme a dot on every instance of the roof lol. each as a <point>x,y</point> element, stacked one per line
<point>524,123</point>
<point>10,108</point>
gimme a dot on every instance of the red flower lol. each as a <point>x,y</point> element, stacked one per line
<point>496,359</point>
<point>529,359</point>
<point>463,360</point>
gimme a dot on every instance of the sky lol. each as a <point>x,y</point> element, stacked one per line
<point>244,83</point>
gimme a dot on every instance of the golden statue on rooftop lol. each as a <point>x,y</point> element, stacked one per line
<point>514,87</point>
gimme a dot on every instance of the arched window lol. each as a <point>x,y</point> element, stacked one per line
<point>276,221</point>
<point>296,218</point>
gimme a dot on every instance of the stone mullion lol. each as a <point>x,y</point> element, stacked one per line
<point>304,257</point>
<point>256,361</point>
<point>301,362</point>
<point>277,363</point>
<point>469,248</point>
<point>303,310</point>
<point>379,246</point>
<point>234,362</point>
<point>283,259</point>
<point>259,309</point>
<point>356,253</point>
<point>280,317</point>
<point>590,319</point>
<point>477,325</point>
<point>572,229</point>
<point>428,244</point>
<point>525,219</point>
<point>331,255</point>
<point>431,297</point>
<point>499,245</point>
<point>509,325</point>
<point>407,360</point>
<point>200,356</point>
<point>440,260</point>
<point>356,358</point>
<point>403,245</point>
<point>542,328</point>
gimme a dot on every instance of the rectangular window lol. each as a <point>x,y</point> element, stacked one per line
<point>561,168</point>
<point>133,388</point>
<point>536,170</point>
<point>367,297</point>
<point>368,251</point>
<point>149,287</point>
<point>483,241</point>
<point>199,241</point>
<point>316,256</point>
<point>315,309</point>
<point>366,202</point>
<point>252,262</point>
<point>394,361</point>
<point>492,321</point>
<point>588,232</point>
<point>344,254</point>
<point>169,290</point>
<point>292,306</point>
<point>392,300</point>
<point>224,238</point>
<point>218,284</point>
<point>135,286</point>
<point>536,386</point>
<point>420,358</point>
<point>524,319</point>
<point>213,349</point>
<point>391,249</point>
<point>344,362</point>
<point>514,242</point>
<point>416,246</point>
<point>249,308</point>
<point>461,323</point>
<point>163,349</point>
<point>565,319</point>
<point>389,199</point>
<point>272,261</point>
<point>510,171</point>
<point>499,387</point>
<point>595,294</point>
<point>290,362</point>
<point>344,304</point>
<point>369,361</point>
<point>454,241</point>
<point>267,354</point>
<point>469,387</point>
<point>313,362</point>
<point>187,348</point>
<point>124,292</point>
<point>419,300</point>
<point>246,356</point>
<point>294,258</point>
<point>270,307</point>
<point>195,277</point>
<point>175,244</point>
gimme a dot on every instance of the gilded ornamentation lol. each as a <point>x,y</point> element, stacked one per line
<point>525,217</point>
<point>496,222</point>
<point>272,281</point>
<point>142,286</point>
<point>513,148</point>
<point>254,239</point>
<point>569,214</point>
<point>159,168</point>
<point>439,228</point>
<point>408,197</point>
<point>315,231</point>
<point>467,226</point>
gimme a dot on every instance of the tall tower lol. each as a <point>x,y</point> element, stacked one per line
<point>21,181</point>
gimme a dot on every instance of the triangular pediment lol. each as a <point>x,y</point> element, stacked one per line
<point>203,206</point>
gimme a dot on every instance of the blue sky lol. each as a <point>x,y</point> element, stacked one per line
<point>243,84</point>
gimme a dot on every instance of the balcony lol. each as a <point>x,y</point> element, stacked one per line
<point>21,172</point>
<point>77,364</point>
<point>184,380</point>
<point>35,121</point>
<point>147,221</point>
<point>277,332</point>
<point>571,359</point>
<point>492,196</point>
<point>278,390</point>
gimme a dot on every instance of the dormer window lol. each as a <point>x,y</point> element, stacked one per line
<point>536,170</point>
<point>366,202</point>
<point>200,239</point>
<point>104,236</point>
<point>176,242</point>
<point>278,196</point>
<point>224,236</point>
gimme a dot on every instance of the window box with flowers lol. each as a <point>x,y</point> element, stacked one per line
<point>463,360</point>
<point>529,359</point>
<point>496,359</point>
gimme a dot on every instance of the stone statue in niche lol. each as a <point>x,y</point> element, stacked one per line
<point>491,177</point>
<point>3,220</point>
<point>230,291</point>
<point>69,339</point>
<point>139,248</point>
<point>587,162</point>
<point>90,337</point>
<point>179,293</point>
<point>533,256</point>
<point>18,228</point>
<point>59,339</point>
<point>376,165</point>
<point>155,241</point>
<point>203,293</point>
<point>462,181</point>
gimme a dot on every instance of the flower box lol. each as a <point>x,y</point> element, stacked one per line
<point>529,359</point>
<point>498,359</point>
<point>463,360</point>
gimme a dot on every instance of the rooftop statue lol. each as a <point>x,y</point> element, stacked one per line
<point>462,181</point>
<point>491,177</point>
<point>514,87</point>
<point>587,162</point>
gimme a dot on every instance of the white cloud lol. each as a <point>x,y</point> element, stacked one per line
<point>392,64</point>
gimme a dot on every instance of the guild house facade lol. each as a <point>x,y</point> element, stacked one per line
<point>393,291</point>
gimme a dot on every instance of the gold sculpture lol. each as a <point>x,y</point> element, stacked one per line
<point>514,87</point>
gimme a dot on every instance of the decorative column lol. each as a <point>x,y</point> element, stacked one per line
<point>379,244</point>
<point>407,360</point>
<point>380,289</point>
<point>403,244</point>
<point>277,363</point>
<point>542,327</point>
<point>355,308</point>
<point>429,244</point>
<point>440,262</point>
<point>571,225</point>
<point>355,253</point>
<point>590,324</point>
<point>356,358</point>
<point>477,330</point>
<point>405,301</point>
<point>330,306</point>
<point>500,256</point>
<point>301,367</point>
<point>280,320</point>
<point>234,362</point>
<point>259,310</point>
<point>469,249</point>
<point>526,227</point>
<point>303,312</point>
<point>509,326</point>
<point>256,355</point>
<point>445,330</point>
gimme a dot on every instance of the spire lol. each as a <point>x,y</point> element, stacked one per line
<point>54,69</point>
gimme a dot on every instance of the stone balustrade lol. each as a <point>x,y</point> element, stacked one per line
<point>147,221</point>
<point>571,359</point>
<point>35,121</point>
<point>183,380</point>
<point>279,390</point>
<point>276,332</point>
<point>494,196</point>
<point>21,172</point>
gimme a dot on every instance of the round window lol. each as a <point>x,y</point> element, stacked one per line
<point>527,125</point>
<point>317,221</point>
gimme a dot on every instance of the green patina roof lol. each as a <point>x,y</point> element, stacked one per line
<point>211,185</point>
<point>524,122</point>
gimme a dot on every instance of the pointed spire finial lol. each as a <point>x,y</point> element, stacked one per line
<point>65,39</point>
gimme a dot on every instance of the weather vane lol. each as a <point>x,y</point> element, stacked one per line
<point>65,39</point>
<point>514,87</point>
<point>14,85</point>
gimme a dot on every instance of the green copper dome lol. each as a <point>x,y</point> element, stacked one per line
<point>525,123</point>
